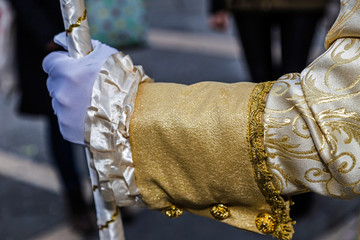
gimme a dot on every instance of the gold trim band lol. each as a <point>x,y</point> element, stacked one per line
<point>280,209</point>
<point>77,24</point>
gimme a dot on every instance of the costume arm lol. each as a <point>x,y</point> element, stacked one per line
<point>231,151</point>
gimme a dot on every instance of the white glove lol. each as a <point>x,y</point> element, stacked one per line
<point>70,85</point>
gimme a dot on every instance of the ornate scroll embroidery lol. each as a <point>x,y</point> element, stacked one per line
<point>332,87</point>
<point>286,131</point>
<point>283,229</point>
<point>340,27</point>
<point>312,125</point>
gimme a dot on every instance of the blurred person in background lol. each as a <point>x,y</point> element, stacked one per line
<point>37,21</point>
<point>255,21</point>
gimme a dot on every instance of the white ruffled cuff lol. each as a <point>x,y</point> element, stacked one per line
<point>107,128</point>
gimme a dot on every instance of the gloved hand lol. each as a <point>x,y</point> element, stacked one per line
<point>70,83</point>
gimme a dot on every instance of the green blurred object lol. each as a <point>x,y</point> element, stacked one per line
<point>118,23</point>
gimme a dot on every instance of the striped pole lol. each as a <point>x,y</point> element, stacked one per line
<point>79,45</point>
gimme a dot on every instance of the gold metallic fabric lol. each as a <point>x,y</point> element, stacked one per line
<point>190,149</point>
<point>312,119</point>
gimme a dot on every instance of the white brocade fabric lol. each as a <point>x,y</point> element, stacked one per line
<point>312,120</point>
<point>107,129</point>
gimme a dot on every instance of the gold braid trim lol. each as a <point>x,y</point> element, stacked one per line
<point>77,24</point>
<point>280,210</point>
<point>113,218</point>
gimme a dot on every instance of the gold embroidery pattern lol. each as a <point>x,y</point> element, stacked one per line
<point>113,218</point>
<point>283,223</point>
<point>339,28</point>
<point>77,24</point>
<point>333,97</point>
<point>340,120</point>
<point>286,131</point>
<point>312,125</point>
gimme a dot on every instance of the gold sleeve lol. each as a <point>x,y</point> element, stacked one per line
<point>239,146</point>
<point>192,152</point>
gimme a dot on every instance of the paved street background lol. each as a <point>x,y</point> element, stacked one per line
<point>181,49</point>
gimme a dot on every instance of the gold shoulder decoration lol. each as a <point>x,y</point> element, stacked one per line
<point>283,228</point>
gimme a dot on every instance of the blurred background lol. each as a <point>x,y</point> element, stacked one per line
<point>173,41</point>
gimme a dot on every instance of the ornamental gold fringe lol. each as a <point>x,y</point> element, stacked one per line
<point>283,223</point>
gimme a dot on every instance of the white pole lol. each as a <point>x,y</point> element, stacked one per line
<point>76,27</point>
<point>79,45</point>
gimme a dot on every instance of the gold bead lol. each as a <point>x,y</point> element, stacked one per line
<point>265,223</point>
<point>173,211</point>
<point>220,211</point>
